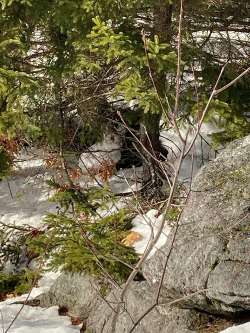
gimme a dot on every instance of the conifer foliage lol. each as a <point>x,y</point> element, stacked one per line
<point>80,239</point>
<point>64,67</point>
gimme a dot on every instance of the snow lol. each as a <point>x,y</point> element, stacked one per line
<point>28,161</point>
<point>46,282</point>
<point>28,206</point>
<point>24,200</point>
<point>147,226</point>
<point>107,151</point>
<point>35,319</point>
<point>244,328</point>
<point>218,40</point>
<point>24,197</point>
<point>113,207</point>
<point>200,153</point>
<point>126,180</point>
<point>105,155</point>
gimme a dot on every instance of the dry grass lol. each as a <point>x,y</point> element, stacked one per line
<point>216,326</point>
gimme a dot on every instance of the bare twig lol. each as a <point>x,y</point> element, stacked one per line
<point>178,73</point>
<point>218,91</point>
<point>205,111</point>
<point>176,301</point>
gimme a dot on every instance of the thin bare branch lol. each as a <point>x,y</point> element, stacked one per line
<point>218,91</point>
<point>178,73</point>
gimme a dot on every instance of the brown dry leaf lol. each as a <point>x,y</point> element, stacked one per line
<point>75,321</point>
<point>9,145</point>
<point>131,238</point>
<point>12,295</point>
<point>75,173</point>
<point>53,162</point>
<point>107,170</point>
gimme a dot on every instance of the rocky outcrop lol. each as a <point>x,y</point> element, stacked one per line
<point>83,297</point>
<point>208,265</point>
<point>209,259</point>
<point>138,300</point>
<point>77,292</point>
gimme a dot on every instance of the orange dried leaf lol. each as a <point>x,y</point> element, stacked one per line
<point>131,238</point>
<point>75,321</point>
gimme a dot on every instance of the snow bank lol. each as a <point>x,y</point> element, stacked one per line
<point>30,161</point>
<point>98,166</point>
<point>45,283</point>
<point>218,41</point>
<point>24,200</point>
<point>147,225</point>
<point>107,151</point>
<point>126,180</point>
<point>113,207</point>
<point>200,153</point>
<point>34,319</point>
<point>244,328</point>
<point>24,196</point>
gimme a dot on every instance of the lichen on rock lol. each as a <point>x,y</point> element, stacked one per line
<point>211,247</point>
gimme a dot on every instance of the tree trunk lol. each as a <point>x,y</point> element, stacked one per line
<point>150,139</point>
<point>150,126</point>
<point>162,21</point>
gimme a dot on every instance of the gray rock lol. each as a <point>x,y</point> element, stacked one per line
<point>209,259</point>
<point>77,292</point>
<point>139,298</point>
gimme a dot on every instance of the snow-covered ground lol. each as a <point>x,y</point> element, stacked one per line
<point>126,181</point>
<point>146,226</point>
<point>24,201</point>
<point>113,207</point>
<point>201,152</point>
<point>24,196</point>
<point>106,154</point>
<point>244,328</point>
<point>106,151</point>
<point>99,162</point>
<point>34,319</point>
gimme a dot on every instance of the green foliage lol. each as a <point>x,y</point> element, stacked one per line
<point>135,59</point>
<point>8,282</point>
<point>92,247</point>
<point>231,125</point>
<point>17,283</point>
<point>101,45</point>
<point>109,44</point>
<point>90,134</point>
<point>15,87</point>
<point>173,214</point>
<point>12,243</point>
<point>5,163</point>
<point>79,239</point>
<point>59,57</point>
<point>228,112</point>
<point>235,129</point>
